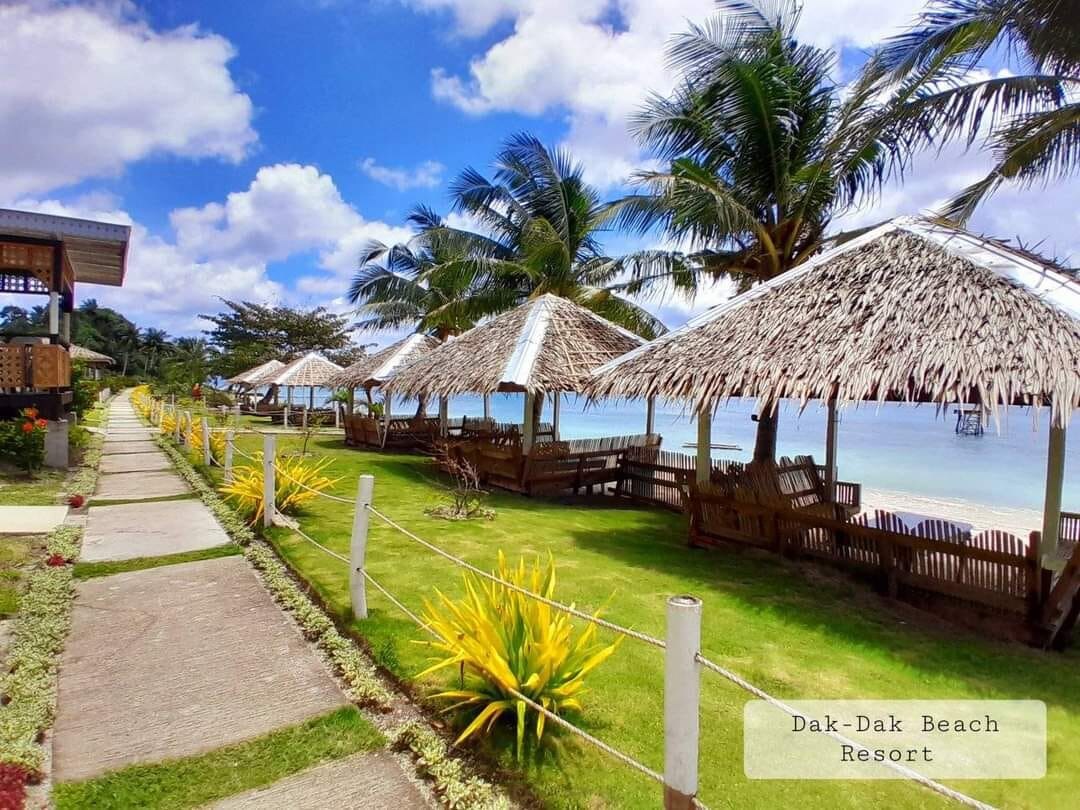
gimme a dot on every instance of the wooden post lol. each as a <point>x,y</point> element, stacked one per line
<point>269,485</point>
<point>303,419</point>
<point>528,428</point>
<point>703,467</point>
<point>229,448</point>
<point>54,314</point>
<point>444,416</point>
<point>189,423</point>
<point>358,547</point>
<point>682,688</point>
<point>1055,476</point>
<point>208,459</point>
<point>650,415</point>
<point>176,422</point>
<point>831,425</point>
<point>386,418</point>
<point>555,408</point>
<point>285,421</point>
<point>337,415</point>
<point>487,407</point>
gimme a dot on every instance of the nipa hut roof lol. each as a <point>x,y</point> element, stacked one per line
<point>253,375</point>
<point>547,344</point>
<point>910,311</point>
<point>310,370</point>
<point>377,369</point>
<point>84,355</point>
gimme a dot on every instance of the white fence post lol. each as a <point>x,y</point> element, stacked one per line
<point>189,424</point>
<point>337,415</point>
<point>269,485</point>
<point>358,547</point>
<point>682,688</point>
<point>207,458</point>
<point>176,423</point>
<point>304,418</point>
<point>285,422</point>
<point>228,455</point>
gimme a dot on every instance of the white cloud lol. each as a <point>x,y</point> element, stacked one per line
<point>226,249</point>
<point>86,90</point>
<point>596,61</point>
<point>427,174</point>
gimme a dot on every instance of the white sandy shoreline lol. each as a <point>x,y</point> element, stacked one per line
<point>1020,522</point>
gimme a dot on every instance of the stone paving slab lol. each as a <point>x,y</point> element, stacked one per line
<point>129,437</point>
<point>110,448</point>
<point>177,661</point>
<point>31,519</point>
<point>152,461</point>
<point>129,530</point>
<point>140,431</point>
<point>362,782</point>
<point>142,485</point>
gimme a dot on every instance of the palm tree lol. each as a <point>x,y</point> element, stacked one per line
<point>762,152</point>
<point>1032,116</point>
<point>127,341</point>
<point>428,282</point>
<point>153,343</point>
<point>189,361</point>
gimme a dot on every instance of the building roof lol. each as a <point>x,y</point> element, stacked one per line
<point>548,344</point>
<point>96,251</point>
<point>377,369</point>
<point>252,374</point>
<point>84,355</point>
<point>311,369</point>
<point>909,311</point>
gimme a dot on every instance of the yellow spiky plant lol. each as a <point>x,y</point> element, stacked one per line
<point>217,443</point>
<point>246,489</point>
<point>502,640</point>
<point>141,400</point>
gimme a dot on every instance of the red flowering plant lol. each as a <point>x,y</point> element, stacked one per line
<point>22,440</point>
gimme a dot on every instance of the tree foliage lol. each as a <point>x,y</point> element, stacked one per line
<point>247,334</point>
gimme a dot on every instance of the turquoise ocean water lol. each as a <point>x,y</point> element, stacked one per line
<point>904,448</point>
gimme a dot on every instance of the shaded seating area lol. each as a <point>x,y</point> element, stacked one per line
<point>542,349</point>
<point>384,430</point>
<point>912,311</point>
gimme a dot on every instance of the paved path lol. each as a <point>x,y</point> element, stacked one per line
<point>184,659</point>
<point>31,519</point>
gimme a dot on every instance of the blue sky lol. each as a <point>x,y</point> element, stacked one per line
<point>255,147</point>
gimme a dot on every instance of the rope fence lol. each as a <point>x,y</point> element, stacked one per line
<point>682,785</point>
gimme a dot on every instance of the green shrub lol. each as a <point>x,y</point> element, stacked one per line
<point>22,441</point>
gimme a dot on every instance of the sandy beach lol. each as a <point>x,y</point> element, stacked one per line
<point>1020,522</point>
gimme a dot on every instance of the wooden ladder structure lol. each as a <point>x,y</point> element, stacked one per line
<point>1063,604</point>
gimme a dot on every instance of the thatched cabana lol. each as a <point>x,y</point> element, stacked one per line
<point>548,345</point>
<point>251,378</point>
<point>309,371</point>
<point>374,370</point>
<point>911,311</point>
<point>95,361</point>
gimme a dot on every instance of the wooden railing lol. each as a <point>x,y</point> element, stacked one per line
<point>991,569</point>
<point>35,367</point>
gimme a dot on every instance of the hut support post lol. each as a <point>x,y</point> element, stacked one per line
<point>386,418</point>
<point>528,432</point>
<point>704,447</point>
<point>311,397</point>
<point>1055,476</point>
<point>650,415</point>
<point>487,407</point>
<point>832,425</point>
<point>555,408</point>
<point>444,414</point>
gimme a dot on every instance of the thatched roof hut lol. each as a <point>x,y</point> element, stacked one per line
<point>911,311</point>
<point>89,357</point>
<point>253,376</point>
<point>379,368</point>
<point>312,370</point>
<point>546,345</point>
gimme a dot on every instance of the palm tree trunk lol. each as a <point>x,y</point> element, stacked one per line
<point>123,371</point>
<point>765,440</point>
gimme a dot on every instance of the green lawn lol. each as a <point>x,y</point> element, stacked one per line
<point>16,552</point>
<point>825,638</point>
<point>39,489</point>
<point>194,781</point>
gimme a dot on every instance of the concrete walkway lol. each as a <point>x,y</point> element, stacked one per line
<point>183,659</point>
<point>31,519</point>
